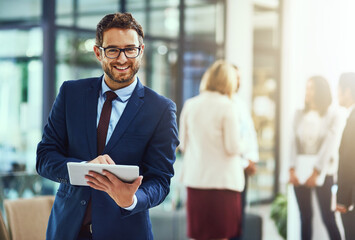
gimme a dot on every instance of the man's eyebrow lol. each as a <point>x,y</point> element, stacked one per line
<point>115,46</point>
<point>131,45</point>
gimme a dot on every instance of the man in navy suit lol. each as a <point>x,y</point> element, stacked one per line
<point>142,131</point>
<point>346,171</point>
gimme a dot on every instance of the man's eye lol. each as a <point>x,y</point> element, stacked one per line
<point>130,49</point>
<point>112,50</point>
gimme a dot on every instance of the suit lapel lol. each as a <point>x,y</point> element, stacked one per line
<point>91,101</point>
<point>134,104</point>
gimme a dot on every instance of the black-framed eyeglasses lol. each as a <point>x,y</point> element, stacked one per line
<point>114,52</point>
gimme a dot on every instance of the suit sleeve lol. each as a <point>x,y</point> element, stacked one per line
<point>346,176</point>
<point>52,150</point>
<point>157,166</point>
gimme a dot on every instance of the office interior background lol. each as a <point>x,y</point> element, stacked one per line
<point>277,44</point>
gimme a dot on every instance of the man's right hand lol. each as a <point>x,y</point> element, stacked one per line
<point>102,159</point>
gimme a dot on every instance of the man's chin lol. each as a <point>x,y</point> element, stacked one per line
<point>122,80</point>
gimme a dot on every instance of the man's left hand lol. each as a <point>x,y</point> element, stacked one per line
<point>122,193</point>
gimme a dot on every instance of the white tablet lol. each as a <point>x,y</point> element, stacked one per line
<point>77,172</point>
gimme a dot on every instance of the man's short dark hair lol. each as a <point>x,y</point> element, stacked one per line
<point>118,20</point>
<point>347,81</point>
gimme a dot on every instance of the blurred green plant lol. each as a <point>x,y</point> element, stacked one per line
<point>279,214</point>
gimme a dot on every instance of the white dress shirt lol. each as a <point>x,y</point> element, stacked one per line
<point>318,136</point>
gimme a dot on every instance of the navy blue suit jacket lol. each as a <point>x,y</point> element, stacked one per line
<point>146,135</point>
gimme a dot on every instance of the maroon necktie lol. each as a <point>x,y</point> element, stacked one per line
<point>104,121</point>
<point>101,142</point>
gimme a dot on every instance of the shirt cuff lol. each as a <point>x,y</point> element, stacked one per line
<point>135,201</point>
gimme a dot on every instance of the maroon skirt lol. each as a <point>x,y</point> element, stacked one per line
<point>213,213</point>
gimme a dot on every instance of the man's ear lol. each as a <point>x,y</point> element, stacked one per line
<point>142,49</point>
<point>97,52</point>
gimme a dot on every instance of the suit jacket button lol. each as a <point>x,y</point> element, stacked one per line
<point>83,202</point>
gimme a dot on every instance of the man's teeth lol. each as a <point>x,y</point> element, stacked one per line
<point>121,68</point>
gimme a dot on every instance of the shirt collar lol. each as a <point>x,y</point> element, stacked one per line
<point>123,93</point>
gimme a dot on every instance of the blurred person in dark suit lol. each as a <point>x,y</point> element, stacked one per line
<point>346,171</point>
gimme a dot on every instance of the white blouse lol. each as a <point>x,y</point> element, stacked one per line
<point>318,136</point>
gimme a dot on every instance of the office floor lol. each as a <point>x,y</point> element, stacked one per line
<point>269,228</point>
<point>172,225</point>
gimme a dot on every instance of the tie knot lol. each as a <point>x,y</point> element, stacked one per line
<point>110,96</point>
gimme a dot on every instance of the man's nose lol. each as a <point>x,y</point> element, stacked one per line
<point>121,57</point>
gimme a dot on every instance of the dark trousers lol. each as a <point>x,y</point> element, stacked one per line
<point>303,196</point>
<point>349,225</point>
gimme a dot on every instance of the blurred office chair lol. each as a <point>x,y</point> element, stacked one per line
<point>28,218</point>
<point>3,230</point>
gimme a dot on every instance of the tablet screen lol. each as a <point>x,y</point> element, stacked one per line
<point>77,172</point>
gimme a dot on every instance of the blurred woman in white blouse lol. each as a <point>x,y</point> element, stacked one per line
<point>314,159</point>
<point>212,172</point>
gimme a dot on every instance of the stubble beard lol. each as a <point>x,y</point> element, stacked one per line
<point>107,69</point>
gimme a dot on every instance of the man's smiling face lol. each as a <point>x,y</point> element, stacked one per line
<point>119,72</point>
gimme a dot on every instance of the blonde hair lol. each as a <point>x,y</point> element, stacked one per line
<point>220,77</point>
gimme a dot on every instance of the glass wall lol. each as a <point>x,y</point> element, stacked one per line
<point>75,56</point>
<point>265,99</point>
<point>20,96</point>
<point>29,13</point>
<point>180,43</point>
